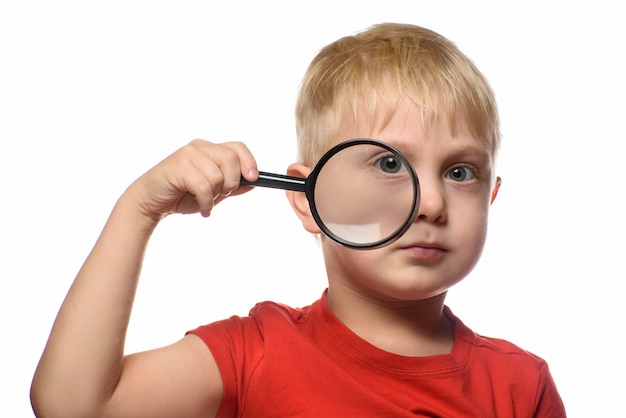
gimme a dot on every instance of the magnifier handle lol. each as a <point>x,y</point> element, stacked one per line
<point>277,181</point>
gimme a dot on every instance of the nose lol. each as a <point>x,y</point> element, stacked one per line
<point>432,204</point>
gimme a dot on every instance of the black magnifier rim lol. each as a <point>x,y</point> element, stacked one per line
<point>312,181</point>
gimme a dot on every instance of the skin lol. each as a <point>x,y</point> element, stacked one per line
<point>391,297</point>
<point>83,371</point>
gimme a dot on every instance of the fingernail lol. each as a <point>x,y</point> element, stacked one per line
<point>254,173</point>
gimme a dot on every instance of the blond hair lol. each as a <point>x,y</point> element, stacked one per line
<point>398,59</point>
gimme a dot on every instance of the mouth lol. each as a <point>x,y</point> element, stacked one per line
<point>425,250</point>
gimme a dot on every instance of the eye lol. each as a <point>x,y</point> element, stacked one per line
<point>460,174</point>
<point>390,164</point>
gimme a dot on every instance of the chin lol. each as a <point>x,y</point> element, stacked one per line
<point>419,287</point>
<point>413,293</point>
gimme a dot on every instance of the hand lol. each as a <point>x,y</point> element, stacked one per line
<point>194,179</point>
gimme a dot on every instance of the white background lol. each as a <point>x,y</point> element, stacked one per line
<point>92,94</point>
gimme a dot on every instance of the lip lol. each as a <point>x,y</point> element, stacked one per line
<point>425,250</point>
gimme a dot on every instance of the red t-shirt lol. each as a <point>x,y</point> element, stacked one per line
<point>284,362</point>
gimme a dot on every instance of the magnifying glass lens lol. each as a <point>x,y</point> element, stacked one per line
<point>365,194</point>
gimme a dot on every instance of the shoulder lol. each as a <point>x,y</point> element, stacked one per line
<point>501,347</point>
<point>240,345</point>
<point>278,312</point>
<point>265,317</point>
<point>497,359</point>
<point>499,354</point>
<point>509,371</point>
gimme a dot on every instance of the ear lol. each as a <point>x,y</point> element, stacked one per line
<point>496,187</point>
<point>299,201</point>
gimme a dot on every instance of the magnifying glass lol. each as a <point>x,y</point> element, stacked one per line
<point>363,193</point>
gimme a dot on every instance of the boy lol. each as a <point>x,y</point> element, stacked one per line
<point>380,341</point>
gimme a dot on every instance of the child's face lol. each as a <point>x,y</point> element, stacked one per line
<point>444,243</point>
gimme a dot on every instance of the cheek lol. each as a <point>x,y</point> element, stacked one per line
<point>342,262</point>
<point>468,215</point>
<point>472,231</point>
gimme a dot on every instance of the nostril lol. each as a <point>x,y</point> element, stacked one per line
<point>426,218</point>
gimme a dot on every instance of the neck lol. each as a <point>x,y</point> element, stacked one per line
<point>409,328</point>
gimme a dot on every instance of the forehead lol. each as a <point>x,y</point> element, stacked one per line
<point>404,123</point>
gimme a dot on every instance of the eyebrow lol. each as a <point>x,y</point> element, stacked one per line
<point>480,155</point>
<point>481,149</point>
<point>472,149</point>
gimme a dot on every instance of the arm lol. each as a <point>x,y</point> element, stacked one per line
<point>83,371</point>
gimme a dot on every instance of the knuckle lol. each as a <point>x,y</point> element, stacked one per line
<point>198,142</point>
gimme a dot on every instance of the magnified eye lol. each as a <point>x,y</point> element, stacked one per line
<point>390,164</point>
<point>460,174</point>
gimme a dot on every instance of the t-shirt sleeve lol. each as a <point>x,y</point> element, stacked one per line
<point>236,346</point>
<point>549,402</point>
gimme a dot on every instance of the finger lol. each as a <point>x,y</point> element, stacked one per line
<point>204,182</point>
<point>219,167</point>
<point>228,160</point>
<point>247,162</point>
<point>215,171</point>
<point>234,160</point>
